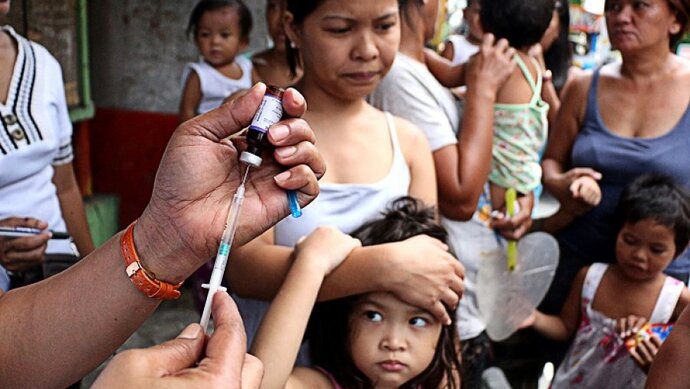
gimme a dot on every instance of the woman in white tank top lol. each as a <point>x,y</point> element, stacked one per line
<point>346,48</point>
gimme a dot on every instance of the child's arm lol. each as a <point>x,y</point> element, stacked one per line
<point>279,337</point>
<point>563,326</point>
<point>448,75</point>
<point>448,51</point>
<point>548,90</point>
<point>191,96</point>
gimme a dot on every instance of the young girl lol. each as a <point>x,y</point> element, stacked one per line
<point>653,220</point>
<point>371,340</point>
<point>346,47</point>
<point>520,123</point>
<point>221,31</point>
<point>271,65</point>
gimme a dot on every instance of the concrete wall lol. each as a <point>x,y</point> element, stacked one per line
<point>138,49</point>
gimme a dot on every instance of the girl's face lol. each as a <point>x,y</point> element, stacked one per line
<point>274,19</point>
<point>634,24</point>
<point>391,341</point>
<point>4,7</point>
<point>645,248</point>
<point>219,36</point>
<point>348,46</point>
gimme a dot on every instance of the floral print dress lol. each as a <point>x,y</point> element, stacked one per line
<point>598,357</point>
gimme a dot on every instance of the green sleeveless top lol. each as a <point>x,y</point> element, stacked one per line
<point>520,132</point>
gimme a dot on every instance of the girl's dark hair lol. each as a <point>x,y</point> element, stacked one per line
<point>244,14</point>
<point>558,56</point>
<point>657,197</point>
<point>329,328</point>
<point>521,22</point>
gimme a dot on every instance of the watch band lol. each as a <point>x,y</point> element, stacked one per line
<point>143,279</point>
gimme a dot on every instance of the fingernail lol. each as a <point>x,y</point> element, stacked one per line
<point>192,331</point>
<point>279,132</point>
<point>285,152</point>
<point>298,98</point>
<point>282,177</point>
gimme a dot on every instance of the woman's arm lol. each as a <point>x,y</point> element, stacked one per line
<point>58,330</point>
<point>280,335</point>
<point>563,326</point>
<point>72,207</point>
<point>259,268</point>
<point>557,178</point>
<point>191,96</point>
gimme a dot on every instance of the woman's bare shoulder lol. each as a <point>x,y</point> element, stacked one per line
<point>409,135</point>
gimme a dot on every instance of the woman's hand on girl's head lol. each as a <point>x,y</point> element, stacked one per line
<point>326,247</point>
<point>423,273</point>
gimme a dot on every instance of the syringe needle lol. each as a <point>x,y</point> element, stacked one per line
<point>244,179</point>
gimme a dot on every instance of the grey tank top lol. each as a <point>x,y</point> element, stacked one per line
<point>620,160</point>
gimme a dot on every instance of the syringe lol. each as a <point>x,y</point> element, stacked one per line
<point>221,261</point>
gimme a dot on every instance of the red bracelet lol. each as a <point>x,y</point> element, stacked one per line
<point>143,279</point>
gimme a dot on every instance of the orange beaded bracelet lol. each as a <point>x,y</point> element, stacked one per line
<point>143,279</point>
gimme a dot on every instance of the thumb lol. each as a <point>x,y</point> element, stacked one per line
<point>181,352</point>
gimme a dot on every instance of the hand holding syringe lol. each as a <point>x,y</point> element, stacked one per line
<point>269,113</point>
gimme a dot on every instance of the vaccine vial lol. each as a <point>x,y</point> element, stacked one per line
<point>269,113</point>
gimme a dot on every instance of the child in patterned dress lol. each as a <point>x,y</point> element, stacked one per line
<point>607,301</point>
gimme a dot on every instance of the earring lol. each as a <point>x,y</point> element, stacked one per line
<point>293,45</point>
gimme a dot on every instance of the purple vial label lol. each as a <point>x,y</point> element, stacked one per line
<point>270,112</point>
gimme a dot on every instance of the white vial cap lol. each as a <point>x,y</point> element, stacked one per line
<point>250,159</point>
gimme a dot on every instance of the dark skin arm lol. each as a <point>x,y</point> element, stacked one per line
<point>80,316</point>
<point>559,177</point>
